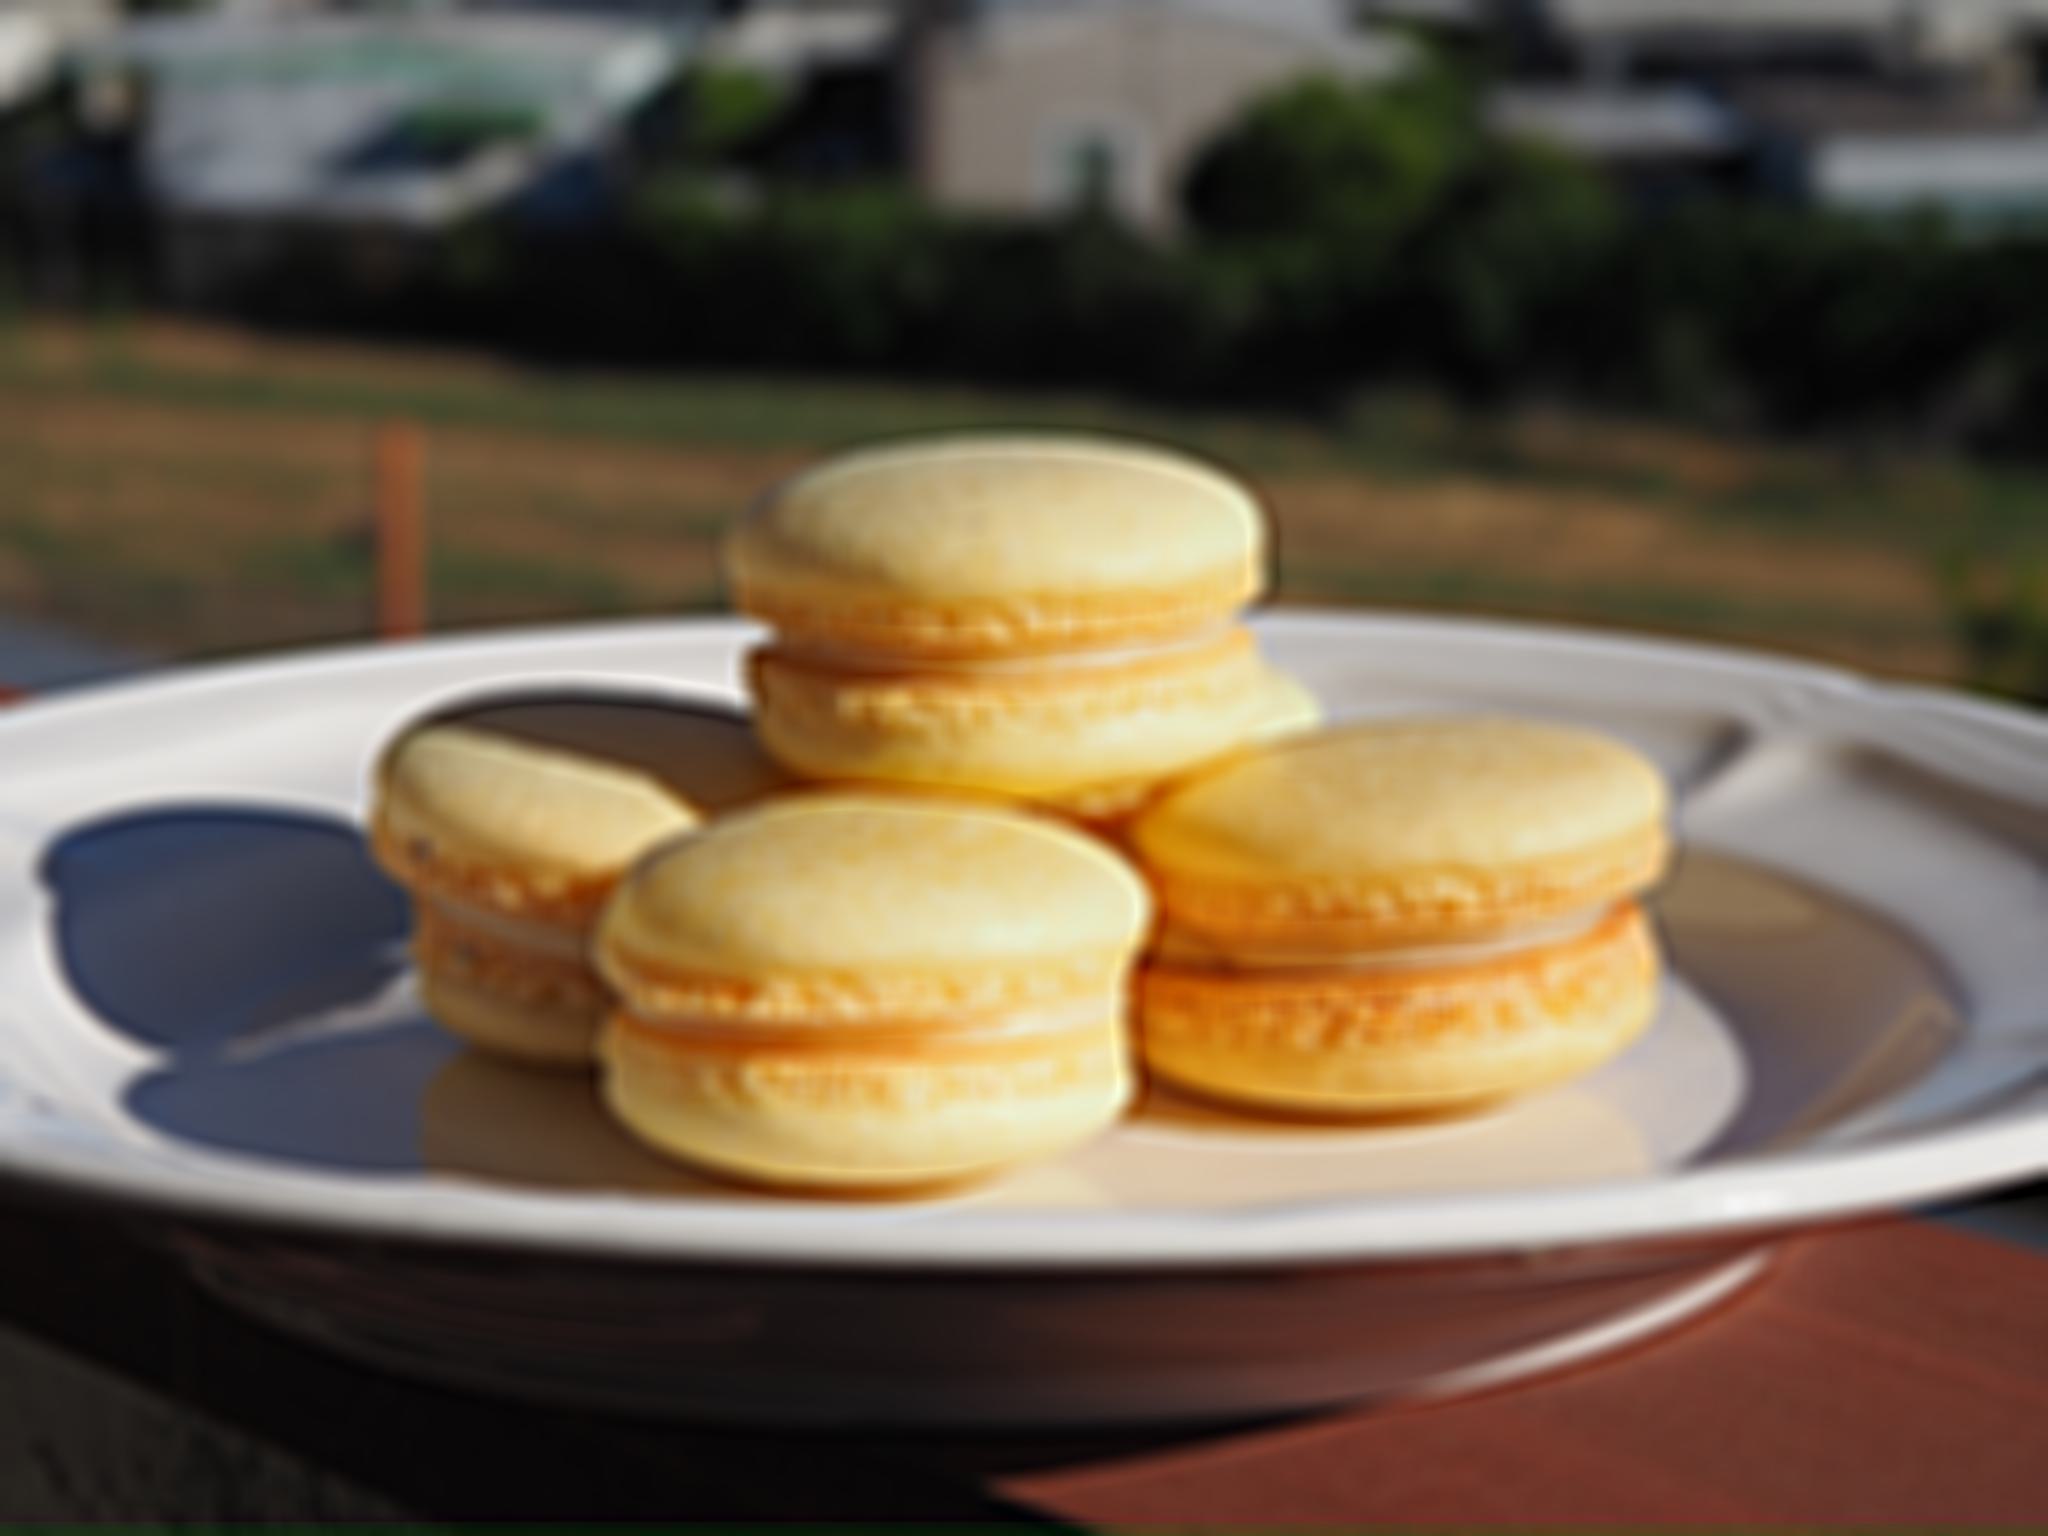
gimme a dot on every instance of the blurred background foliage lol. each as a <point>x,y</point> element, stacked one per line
<point>1365,275</point>
<point>1338,237</point>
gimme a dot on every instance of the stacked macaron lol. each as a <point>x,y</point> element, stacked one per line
<point>509,821</point>
<point>1051,619</point>
<point>873,992</point>
<point>1408,916</point>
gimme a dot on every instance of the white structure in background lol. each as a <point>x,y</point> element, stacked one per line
<point>1622,124</point>
<point>1871,150</point>
<point>793,38</point>
<point>1983,178</point>
<point>256,124</point>
<point>35,35</point>
<point>304,117</point>
<point>28,55</point>
<point>1879,107</point>
<point>1945,115</point>
<point>1034,106</point>
<point>1965,34</point>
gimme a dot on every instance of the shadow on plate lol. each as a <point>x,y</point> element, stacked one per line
<point>192,928</point>
<point>341,1103</point>
<point>262,954</point>
<point>504,1124</point>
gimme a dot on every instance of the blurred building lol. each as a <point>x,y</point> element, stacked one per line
<point>369,129</point>
<point>800,39</point>
<point>36,35</point>
<point>1663,140</point>
<point>1997,40</point>
<point>1886,151</point>
<point>1040,106</point>
<point>1875,107</point>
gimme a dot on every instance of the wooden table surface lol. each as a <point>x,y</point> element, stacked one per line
<point>1891,1374</point>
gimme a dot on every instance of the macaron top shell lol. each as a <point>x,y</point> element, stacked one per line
<point>871,907</point>
<point>1399,831</point>
<point>990,545</point>
<point>535,806</point>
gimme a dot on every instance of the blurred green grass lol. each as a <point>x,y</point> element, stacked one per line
<point>191,490</point>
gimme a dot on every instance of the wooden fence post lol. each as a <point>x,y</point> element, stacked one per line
<point>401,541</point>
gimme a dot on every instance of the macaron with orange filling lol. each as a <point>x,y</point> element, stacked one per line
<point>1402,916</point>
<point>1050,618</point>
<point>870,992</point>
<point>509,820</point>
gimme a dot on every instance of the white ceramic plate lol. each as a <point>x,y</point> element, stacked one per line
<point>207,1017</point>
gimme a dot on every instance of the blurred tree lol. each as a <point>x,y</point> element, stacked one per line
<point>709,119</point>
<point>1507,270</point>
<point>1083,301</point>
<point>830,277</point>
<point>846,272</point>
<point>730,109</point>
<point>1302,211</point>
<point>1999,613</point>
<point>1384,228</point>
<point>1351,169</point>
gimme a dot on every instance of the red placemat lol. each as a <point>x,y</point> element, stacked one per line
<point>1894,1374</point>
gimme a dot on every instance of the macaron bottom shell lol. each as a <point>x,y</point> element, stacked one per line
<point>534,999</point>
<point>1090,738</point>
<point>1405,1039</point>
<point>909,1120</point>
<point>531,1034</point>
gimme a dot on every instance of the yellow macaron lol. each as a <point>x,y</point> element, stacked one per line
<point>1088,736</point>
<point>871,992</point>
<point>509,821</point>
<point>1046,618</point>
<point>1409,915</point>
<point>989,547</point>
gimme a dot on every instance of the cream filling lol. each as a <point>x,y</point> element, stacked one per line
<point>545,939</point>
<point>1057,1019</point>
<point>1179,948</point>
<point>849,658</point>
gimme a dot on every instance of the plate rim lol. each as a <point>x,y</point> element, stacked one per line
<point>1801,1186</point>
